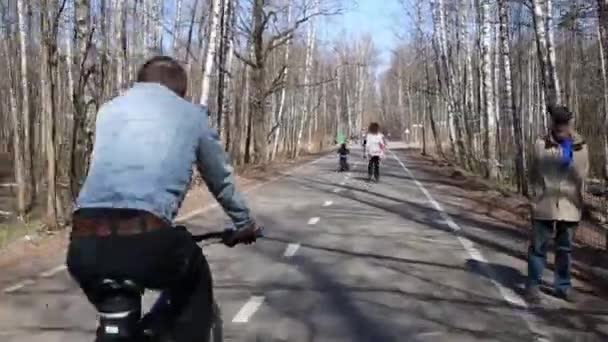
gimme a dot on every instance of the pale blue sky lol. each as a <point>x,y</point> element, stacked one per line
<point>380,18</point>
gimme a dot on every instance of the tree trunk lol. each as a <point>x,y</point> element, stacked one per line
<point>85,110</point>
<point>279,123</point>
<point>489,122</point>
<point>177,26</point>
<point>25,107</point>
<point>603,42</point>
<point>548,80</point>
<point>509,100</point>
<point>48,108</point>
<point>214,30</point>
<point>16,125</point>
<point>306,109</point>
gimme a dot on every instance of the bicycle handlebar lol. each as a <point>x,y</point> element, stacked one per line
<point>222,236</point>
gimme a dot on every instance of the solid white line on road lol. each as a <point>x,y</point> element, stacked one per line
<point>509,295</point>
<point>19,285</point>
<point>248,309</point>
<point>314,220</point>
<point>327,203</point>
<point>53,271</point>
<point>7,185</point>
<point>291,249</point>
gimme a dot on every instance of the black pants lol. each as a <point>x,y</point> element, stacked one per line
<point>373,167</point>
<point>166,259</point>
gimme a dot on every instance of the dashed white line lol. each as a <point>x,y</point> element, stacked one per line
<point>509,295</point>
<point>336,190</point>
<point>19,285</point>
<point>248,309</point>
<point>197,212</point>
<point>327,203</point>
<point>313,220</point>
<point>53,271</point>
<point>291,249</point>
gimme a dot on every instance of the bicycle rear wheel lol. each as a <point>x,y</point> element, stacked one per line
<point>217,325</point>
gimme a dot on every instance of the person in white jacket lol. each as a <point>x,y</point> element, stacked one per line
<point>374,147</point>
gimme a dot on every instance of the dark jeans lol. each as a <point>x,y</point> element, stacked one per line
<point>373,167</point>
<point>166,259</point>
<point>537,253</point>
<point>343,164</point>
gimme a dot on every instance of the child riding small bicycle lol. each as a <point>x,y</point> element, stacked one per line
<point>343,152</point>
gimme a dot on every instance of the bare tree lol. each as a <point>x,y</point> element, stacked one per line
<point>25,105</point>
<point>489,121</point>
<point>210,52</point>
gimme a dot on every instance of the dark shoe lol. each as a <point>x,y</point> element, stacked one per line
<point>567,295</point>
<point>533,295</point>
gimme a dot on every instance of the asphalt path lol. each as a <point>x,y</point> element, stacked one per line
<point>345,260</point>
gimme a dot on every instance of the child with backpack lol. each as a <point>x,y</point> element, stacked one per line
<point>374,147</point>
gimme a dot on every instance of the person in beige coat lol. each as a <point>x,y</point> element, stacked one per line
<point>560,167</point>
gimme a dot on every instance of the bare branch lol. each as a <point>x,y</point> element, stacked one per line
<point>283,37</point>
<point>244,59</point>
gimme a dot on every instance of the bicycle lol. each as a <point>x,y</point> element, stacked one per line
<point>120,313</point>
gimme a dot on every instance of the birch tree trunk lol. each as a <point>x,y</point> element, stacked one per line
<point>225,107</point>
<point>279,123</point>
<point>177,26</point>
<point>548,80</point>
<point>214,29</point>
<point>25,106</point>
<point>489,122</point>
<point>306,110</point>
<point>509,100</point>
<point>48,109</point>
<point>603,43</point>
<point>85,110</point>
<point>551,52</point>
<point>16,125</point>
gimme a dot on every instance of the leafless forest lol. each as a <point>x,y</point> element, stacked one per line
<point>470,80</point>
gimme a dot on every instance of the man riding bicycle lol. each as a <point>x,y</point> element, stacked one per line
<point>146,142</point>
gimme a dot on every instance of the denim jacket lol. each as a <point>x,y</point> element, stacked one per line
<point>146,142</point>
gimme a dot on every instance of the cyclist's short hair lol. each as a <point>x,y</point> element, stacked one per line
<point>166,71</point>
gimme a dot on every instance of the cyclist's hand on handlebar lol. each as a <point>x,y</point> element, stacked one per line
<point>246,235</point>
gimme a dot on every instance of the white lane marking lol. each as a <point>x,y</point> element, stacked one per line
<point>19,285</point>
<point>5,213</point>
<point>202,210</point>
<point>291,249</point>
<point>7,185</point>
<point>327,203</point>
<point>53,271</point>
<point>509,295</point>
<point>248,309</point>
<point>335,191</point>
<point>342,182</point>
<point>314,220</point>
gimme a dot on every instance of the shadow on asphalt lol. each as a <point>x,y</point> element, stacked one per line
<point>582,321</point>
